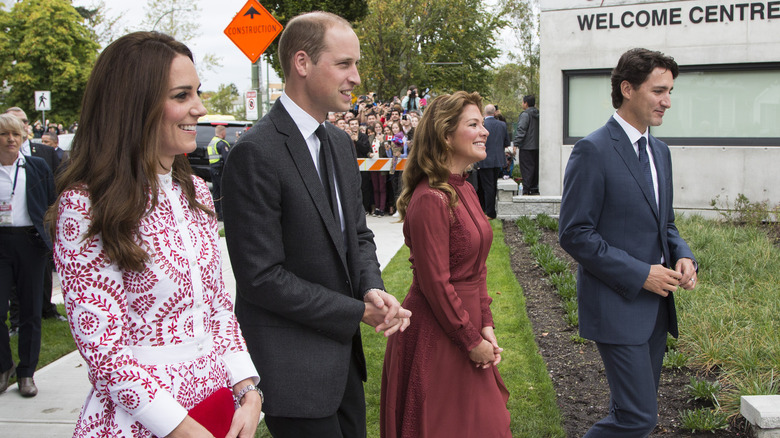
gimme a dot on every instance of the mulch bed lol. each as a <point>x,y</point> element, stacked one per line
<point>576,369</point>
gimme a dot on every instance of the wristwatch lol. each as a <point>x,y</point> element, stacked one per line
<point>246,389</point>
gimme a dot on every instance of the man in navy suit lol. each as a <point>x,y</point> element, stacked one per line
<point>490,167</point>
<point>617,221</point>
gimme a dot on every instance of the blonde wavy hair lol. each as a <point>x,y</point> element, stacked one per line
<point>430,155</point>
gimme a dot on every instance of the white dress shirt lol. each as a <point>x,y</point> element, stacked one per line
<point>307,125</point>
<point>633,136</point>
<point>16,171</point>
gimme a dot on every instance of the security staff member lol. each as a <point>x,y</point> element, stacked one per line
<point>26,191</point>
<point>217,149</point>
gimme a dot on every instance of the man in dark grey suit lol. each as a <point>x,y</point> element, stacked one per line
<point>617,221</point>
<point>490,167</point>
<point>304,259</point>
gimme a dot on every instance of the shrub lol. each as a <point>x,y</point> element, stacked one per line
<point>703,419</point>
<point>569,305</point>
<point>743,211</point>
<point>703,390</point>
<point>572,318</point>
<point>547,260</point>
<point>531,233</point>
<point>546,221</point>
<point>675,360</point>
<point>565,283</point>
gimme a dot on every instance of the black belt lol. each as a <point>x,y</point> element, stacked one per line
<point>18,230</point>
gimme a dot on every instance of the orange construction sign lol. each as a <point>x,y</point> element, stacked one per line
<point>253,29</point>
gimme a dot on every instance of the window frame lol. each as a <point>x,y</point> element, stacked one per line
<point>678,141</point>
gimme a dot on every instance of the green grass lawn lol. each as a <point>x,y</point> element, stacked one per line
<point>731,321</point>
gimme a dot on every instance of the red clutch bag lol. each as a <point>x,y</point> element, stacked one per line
<point>215,412</point>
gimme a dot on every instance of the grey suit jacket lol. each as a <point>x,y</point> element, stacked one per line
<point>610,224</point>
<point>299,291</point>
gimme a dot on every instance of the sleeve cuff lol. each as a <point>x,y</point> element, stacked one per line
<point>467,338</point>
<point>239,366</point>
<point>162,415</point>
<point>487,315</point>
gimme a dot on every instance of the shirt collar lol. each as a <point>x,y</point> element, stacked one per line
<point>304,121</point>
<point>632,133</point>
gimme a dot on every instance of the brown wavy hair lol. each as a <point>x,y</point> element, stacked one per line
<point>430,155</point>
<point>115,150</point>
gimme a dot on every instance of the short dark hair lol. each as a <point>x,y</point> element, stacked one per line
<point>635,66</point>
<point>530,99</point>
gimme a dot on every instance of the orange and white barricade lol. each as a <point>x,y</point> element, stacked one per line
<point>380,164</point>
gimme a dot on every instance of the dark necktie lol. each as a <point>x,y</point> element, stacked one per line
<point>325,174</point>
<point>644,162</point>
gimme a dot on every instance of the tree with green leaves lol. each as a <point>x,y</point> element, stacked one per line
<point>506,90</point>
<point>223,100</point>
<point>104,26</point>
<point>523,19</point>
<point>444,45</point>
<point>285,10</point>
<point>46,45</point>
<point>177,19</point>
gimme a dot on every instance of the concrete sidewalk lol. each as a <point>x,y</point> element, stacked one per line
<point>63,384</point>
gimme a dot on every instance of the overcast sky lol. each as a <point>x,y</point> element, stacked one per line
<point>213,18</point>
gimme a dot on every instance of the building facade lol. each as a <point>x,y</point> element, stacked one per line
<point>723,128</point>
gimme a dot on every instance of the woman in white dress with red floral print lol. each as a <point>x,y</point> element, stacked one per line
<point>137,252</point>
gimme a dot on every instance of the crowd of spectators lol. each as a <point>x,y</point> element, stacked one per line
<point>381,130</point>
<point>37,129</point>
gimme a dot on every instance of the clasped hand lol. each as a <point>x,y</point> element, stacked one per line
<point>487,352</point>
<point>663,280</point>
<point>384,312</point>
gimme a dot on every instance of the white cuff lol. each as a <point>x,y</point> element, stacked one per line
<point>239,367</point>
<point>162,415</point>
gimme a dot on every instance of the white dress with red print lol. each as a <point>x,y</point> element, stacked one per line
<point>156,342</point>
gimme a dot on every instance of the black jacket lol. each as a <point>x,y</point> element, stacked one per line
<point>527,136</point>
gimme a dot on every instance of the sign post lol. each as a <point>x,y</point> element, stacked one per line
<point>252,30</point>
<point>43,103</point>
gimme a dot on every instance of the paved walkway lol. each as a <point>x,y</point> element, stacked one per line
<point>63,384</point>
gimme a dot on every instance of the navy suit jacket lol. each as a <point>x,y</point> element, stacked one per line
<point>40,193</point>
<point>610,224</point>
<point>47,153</point>
<point>497,140</point>
<point>299,280</point>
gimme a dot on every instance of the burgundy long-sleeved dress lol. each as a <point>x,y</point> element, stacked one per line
<point>430,387</point>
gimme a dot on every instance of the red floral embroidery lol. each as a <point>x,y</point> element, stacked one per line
<point>113,311</point>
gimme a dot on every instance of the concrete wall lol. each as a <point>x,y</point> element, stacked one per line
<point>700,172</point>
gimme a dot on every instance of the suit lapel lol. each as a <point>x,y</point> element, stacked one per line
<point>625,149</point>
<point>299,151</point>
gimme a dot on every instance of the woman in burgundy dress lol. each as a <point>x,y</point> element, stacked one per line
<point>440,377</point>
